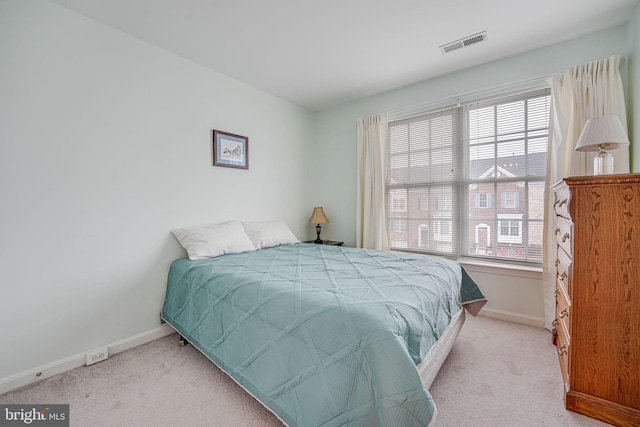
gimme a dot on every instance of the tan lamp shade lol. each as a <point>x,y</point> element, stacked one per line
<point>318,216</point>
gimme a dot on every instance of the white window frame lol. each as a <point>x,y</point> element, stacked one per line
<point>399,225</point>
<point>423,203</point>
<point>463,224</point>
<point>444,203</point>
<point>398,204</point>
<point>509,202</point>
<point>422,228</point>
<point>400,244</point>
<point>483,200</point>
<point>439,234</point>
<point>510,220</point>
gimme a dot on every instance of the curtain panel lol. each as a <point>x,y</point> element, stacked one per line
<point>371,222</point>
<point>577,95</point>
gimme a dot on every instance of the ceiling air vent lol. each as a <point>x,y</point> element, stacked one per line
<point>467,41</point>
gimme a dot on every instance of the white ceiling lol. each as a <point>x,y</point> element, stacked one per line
<point>319,54</point>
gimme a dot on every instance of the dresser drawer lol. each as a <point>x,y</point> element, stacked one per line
<point>561,203</point>
<point>564,235</point>
<point>563,347</point>
<point>563,309</point>
<point>564,266</point>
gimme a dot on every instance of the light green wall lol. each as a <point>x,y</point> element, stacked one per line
<point>105,146</point>
<point>336,129</point>
<point>336,138</point>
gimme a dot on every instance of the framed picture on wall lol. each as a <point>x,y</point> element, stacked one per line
<point>230,150</point>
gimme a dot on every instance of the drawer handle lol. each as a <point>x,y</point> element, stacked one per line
<point>556,292</point>
<point>557,262</point>
<point>562,203</point>
<point>562,350</point>
<point>564,313</point>
<point>564,276</point>
<point>565,237</point>
<point>554,323</point>
<point>557,231</point>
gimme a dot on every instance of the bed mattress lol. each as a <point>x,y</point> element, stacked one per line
<point>322,335</point>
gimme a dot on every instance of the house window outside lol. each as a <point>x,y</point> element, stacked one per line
<point>472,168</point>
<point>443,231</point>
<point>483,200</point>
<point>399,225</point>
<point>423,236</point>
<point>400,244</point>
<point>398,202</point>
<point>444,203</point>
<point>510,200</point>
<point>510,229</point>
<point>423,203</point>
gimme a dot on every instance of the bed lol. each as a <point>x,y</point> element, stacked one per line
<point>325,335</point>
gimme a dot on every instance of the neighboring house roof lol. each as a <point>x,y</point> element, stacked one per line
<point>510,166</point>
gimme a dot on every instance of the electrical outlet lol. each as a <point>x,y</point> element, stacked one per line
<point>96,356</point>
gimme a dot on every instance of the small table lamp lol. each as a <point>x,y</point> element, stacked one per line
<point>318,217</point>
<point>599,134</point>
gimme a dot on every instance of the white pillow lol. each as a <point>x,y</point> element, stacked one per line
<point>209,241</point>
<point>265,234</point>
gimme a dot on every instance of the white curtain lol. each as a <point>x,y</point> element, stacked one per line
<point>577,95</point>
<point>371,224</point>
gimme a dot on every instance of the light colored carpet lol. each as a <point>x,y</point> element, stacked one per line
<point>497,374</point>
<point>503,374</point>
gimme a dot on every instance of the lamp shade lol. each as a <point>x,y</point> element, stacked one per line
<point>602,132</point>
<point>318,216</point>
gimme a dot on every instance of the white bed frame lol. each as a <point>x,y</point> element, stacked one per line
<point>428,369</point>
<point>432,363</point>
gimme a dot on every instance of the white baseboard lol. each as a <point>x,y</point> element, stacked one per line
<point>72,362</point>
<point>513,317</point>
<point>78,360</point>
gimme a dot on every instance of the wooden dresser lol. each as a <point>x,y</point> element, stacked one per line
<point>597,325</point>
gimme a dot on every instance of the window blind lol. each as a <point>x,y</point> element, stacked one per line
<point>468,180</point>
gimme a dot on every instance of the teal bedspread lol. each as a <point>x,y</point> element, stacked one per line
<point>322,335</point>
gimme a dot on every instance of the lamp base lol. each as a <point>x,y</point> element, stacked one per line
<point>603,163</point>
<point>318,230</point>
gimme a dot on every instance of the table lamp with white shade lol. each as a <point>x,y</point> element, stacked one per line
<point>601,134</point>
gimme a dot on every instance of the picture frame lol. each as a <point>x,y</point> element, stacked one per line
<point>230,150</point>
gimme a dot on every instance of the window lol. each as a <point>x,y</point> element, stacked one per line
<point>469,169</point>
<point>510,227</point>
<point>399,225</point>
<point>443,231</point>
<point>510,200</point>
<point>483,200</point>
<point>444,203</point>
<point>423,203</point>
<point>398,201</point>
<point>423,236</point>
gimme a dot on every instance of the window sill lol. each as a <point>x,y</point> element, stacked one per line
<point>503,269</point>
<point>491,267</point>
